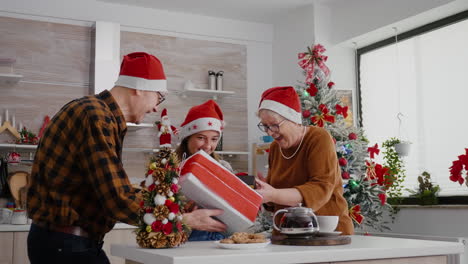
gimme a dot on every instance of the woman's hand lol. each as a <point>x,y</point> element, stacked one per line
<point>201,219</point>
<point>265,190</point>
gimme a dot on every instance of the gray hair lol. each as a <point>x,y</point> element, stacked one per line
<point>270,113</point>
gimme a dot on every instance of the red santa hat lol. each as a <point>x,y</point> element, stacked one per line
<point>284,101</point>
<point>142,71</point>
<point>207,116</point>
<point>164,113</point>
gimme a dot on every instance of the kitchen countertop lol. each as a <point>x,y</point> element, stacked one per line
<point>25,228</point>
<point>361,248</point>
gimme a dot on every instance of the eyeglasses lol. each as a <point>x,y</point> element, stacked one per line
<point>162,98</point>
<point>273,128</point>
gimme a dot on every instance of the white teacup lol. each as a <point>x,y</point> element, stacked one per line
<point>327,223</point>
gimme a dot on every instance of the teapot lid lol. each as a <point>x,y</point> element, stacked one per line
<point>299,209</point>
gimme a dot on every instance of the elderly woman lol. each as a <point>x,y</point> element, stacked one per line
<point>201,130</point>
<point>303,166</point>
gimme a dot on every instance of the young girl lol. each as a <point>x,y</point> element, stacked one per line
<point>202,130</point>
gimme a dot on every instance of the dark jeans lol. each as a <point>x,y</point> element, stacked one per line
<point>198,235</point>
<point>45,246</point>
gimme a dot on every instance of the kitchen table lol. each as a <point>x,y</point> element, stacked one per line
<point>363,249</point>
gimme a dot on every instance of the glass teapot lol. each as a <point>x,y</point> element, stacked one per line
<point>296,220</point>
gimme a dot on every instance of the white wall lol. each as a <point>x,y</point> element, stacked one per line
<point>256,36</point>
<point>293,32</point>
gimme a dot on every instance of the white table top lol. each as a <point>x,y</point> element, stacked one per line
<point>361,248</point>
<point>25,228</point>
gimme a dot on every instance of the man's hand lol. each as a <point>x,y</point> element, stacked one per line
<point>201,219</point>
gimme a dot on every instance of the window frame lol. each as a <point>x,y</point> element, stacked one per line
<point>455,199</point>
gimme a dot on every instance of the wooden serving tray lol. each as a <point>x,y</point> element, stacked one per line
<point>310,240</point>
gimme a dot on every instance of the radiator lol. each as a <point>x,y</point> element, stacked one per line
<point>452,259</point>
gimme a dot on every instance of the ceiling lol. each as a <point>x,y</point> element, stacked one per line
<point>262,11</point>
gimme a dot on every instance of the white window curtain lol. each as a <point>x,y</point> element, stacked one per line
<point>428,84</point>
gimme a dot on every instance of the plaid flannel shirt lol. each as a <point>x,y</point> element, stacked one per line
<point>78,177</point>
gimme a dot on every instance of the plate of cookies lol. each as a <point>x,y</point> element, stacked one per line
<point>243,240</point>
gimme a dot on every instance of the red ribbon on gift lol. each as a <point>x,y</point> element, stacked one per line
<point>355,214</point>
<point>308,60</point>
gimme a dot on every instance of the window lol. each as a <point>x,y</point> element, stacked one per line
<point>424,77</point>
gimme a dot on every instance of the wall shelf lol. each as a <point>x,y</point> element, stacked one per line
<point>9,78</point>
<point>205,93</point>
<point>18,146</point>
<point>232,153</point>
<point>133,126</point>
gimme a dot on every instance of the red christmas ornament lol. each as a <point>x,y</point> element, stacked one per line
<point>168,203</point>
<point>174,208</point>
<point>342,162</point>
<point>167,228</point>
<point>306,113</point>
<point>174,188</point>
<point>157,226</point>
<point>330,84</point>
<point>352,136</point>
<point>151,187</point>
<point>345,175</point>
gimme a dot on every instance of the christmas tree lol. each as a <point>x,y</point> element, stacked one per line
<point>161,223</point>
<point>364,189</point>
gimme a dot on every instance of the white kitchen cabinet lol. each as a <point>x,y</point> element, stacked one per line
<point>6,247</point>
<point>13,245</point>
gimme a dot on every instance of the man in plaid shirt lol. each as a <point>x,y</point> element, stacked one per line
<point>78,187</point>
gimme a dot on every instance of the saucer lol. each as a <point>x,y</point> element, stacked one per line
<point>242,246</point>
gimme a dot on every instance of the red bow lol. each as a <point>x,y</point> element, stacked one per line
<point>312,90</point>
<point>373,150</point>
<point>307,61</point>
<point>342,110</point>
<point>355,214</point>
<point>377,171</point>
<point>324,116</point>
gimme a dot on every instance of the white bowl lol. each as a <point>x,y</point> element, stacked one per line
<point>327,223</point>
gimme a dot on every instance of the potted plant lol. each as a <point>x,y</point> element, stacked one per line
<point>402,148</point>
<point>396,173</point>
<point>427,192</point>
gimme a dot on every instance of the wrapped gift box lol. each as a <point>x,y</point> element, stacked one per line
<point>212,186</point>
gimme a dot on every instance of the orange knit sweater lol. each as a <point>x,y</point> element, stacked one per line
<point>315,172</point>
